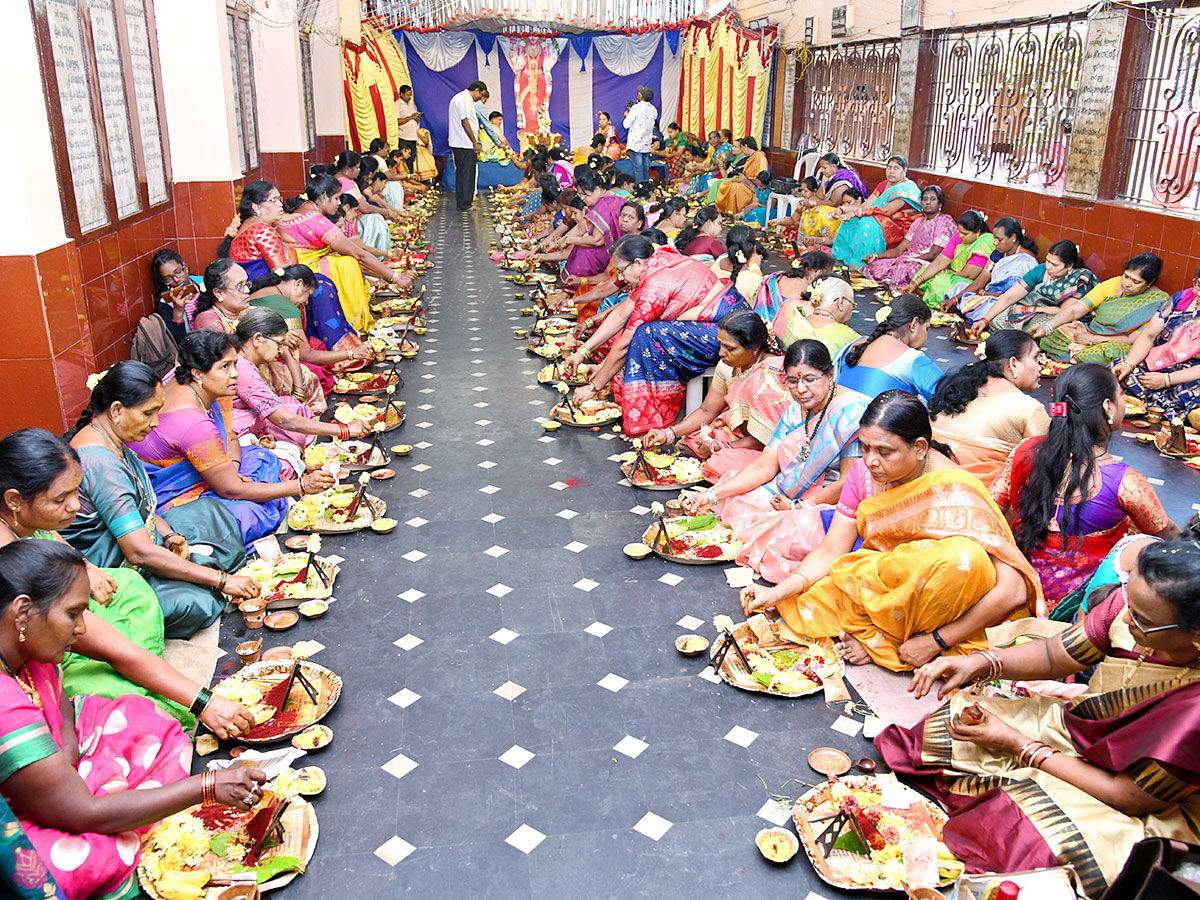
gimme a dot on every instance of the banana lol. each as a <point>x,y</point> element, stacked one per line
<point>180,885</point>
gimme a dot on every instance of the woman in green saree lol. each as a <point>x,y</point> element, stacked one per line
<point>1062,277</point>
<point>959,263</point>
<point>187,555</point>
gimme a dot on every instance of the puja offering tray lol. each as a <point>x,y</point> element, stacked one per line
<point>754,656</point>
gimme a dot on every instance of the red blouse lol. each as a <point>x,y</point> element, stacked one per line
<point>261,241</point>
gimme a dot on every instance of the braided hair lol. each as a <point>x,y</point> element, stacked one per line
<point>960,387</point>
<point>741,244</point>
<point>901,313</point>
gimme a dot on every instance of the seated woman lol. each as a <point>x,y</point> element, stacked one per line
<point>1162,367</point>
<point>1070,499</point>
<point>743,251</point>
<point>927,236</point>
<point>1119,307</point>
<point>938,564</point>
<point>612,141</point>
<point>983,410</point>
<point>667,331</point>
<point>1045,288</point>
<point>781,294</point>
<point>743,403</point>
<point>613,292</point>
<point>1074,781</point>
<point>836,179</point>
<point>735,194</point>
<point>812,223</point>
<point>883,220</point>
<point>322,247</point>
<point>702,237</point>
<point>597,228</point>
<point>374,214</point>
<point>177,291</point>
<point>824,317</point>
<point>598,293</point>
<point>86,775</point>
<point>225,297</point>
<point>965,257</point>
<point>779,503</point>
<point>890,357</point>
<point>263,341</point>
<point>187,555</point>
<point>194,452</point>
<point>259,248</point>
<point>1015,255</point>
<point>554,248</point>
<point>755,212</point>
<point>670,216</point>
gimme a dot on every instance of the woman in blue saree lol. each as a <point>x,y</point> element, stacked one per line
<point>193,451</point>
<point>890,357</point>
<point>884,219</point>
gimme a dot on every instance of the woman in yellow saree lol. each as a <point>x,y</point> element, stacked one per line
<point>425,166</point>
<point>323,247</point>
<point>937,564</point>
<point>735,194</point>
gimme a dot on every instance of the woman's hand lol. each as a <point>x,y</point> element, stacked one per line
<point>870,257</point>
<point>178,545</point>
<point>571,364</point>
<point>955,671</point>
<point>293,342</point>
<point>781,502</point>
<point>315,482</point>
<point>976,725</point>
<point>226,718</point>
<point>918,650</point>
<point>1122,370</point>
<point>1037,332</point>
<point>756,597</point>
<point>362,352</point>
<point>266,441</point>
<point>360,428</point>
<point>241,587</point>
<point>102,585</point>
<point>1153,381</point>
<point>583,393</point>
<point>655,438</point>
<point>570,280</point>
<point>238,786</point>
<point>695,503</point>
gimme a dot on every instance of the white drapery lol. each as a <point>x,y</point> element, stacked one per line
<point>441,50</point>
<point>672,74</point>
<point>627,54</point>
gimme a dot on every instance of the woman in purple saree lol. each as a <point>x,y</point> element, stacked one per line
<point>592,248</point>
<point>1064,777</point>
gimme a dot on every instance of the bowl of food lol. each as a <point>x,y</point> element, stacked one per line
<point>691,644</point>
<point>313,609</point>
<point>297,542</point>
<point>636,550</point>
<point>402,449</point>
<point>551,425</point>
<point>310,781</point>
<point>383,526</point>
<point>383,474</point>
<point>314,737</point>
<point>282,619</point>
<point>777,844</point>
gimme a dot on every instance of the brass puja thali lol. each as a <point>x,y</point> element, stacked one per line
<point>363,382</point>
<point>588,414</point>
<point>658,471</point>
<point>692,540</point>
<point>326,513</point>
<point>283,696</point>
<point>755,656</point>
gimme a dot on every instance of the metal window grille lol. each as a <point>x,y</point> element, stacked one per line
<point>1162,144</point>
<point>848,98</point>
<point>1001,101</point>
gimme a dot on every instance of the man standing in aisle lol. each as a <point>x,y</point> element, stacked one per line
<point>639,123</point>
<point>408,118</point>
<point>464,141</point>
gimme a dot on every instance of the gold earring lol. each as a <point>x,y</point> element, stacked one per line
<point>21,635</point>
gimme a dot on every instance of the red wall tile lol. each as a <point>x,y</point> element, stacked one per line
<point>38,405</point>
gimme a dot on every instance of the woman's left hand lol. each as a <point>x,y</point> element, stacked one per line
<point>986,730</point>
<point>917,651</point>
<point>102,585</point>
<point>1153,381</point>
<point>226,718</point>
<point>178,545</point>
<point>781,502</point>
<point>584,393</point>
<point>266,441</point>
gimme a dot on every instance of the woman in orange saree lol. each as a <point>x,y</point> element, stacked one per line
<point>735,194</point>
<point>938,564</point>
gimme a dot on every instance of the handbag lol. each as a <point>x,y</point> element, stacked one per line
<point>1150,872</point>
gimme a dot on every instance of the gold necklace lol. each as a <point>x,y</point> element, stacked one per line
<point>1183,669</point>
<point>196,394</point>
<point>26,685</point>
<point>108,439</point>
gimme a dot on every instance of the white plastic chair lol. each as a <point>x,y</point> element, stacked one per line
<point>695,390</point>
<point>785,204</point>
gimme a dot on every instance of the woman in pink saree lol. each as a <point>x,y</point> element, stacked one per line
<point>779,504</point>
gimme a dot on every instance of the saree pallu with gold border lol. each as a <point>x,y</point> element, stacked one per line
<point>1005,817</point>
<point>926,559</point>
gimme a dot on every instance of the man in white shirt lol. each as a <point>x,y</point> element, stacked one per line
<point>464,141</point>
<point>408,117</point>
<point>639,123</point>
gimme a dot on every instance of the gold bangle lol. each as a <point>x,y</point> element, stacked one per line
<point>1167,375</point>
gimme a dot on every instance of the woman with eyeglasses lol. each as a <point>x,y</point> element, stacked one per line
<point>177,290</point>
<point>778,503</point>
<point>937,565</point>
<point>743,403</point>
<point>1079,778</point>
<point>823,315</point>
<point>193,451</point>
<point>262,339</point>
<point>1069,498</point>
<point>225,297</point>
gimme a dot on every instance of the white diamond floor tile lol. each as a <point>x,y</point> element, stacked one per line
<point>414,555</point>
<point>404,698</point>
<point>775,813</point>
<point>493,518</point>
<point>419,493</point>
<point>399,766</point>
<point>423,445</point>
<point>482,404</point>
<point>630,746</point>
<point>709,675</point>
<point>598,629</point>
<point>499,590</point>
<point>516,756</point>
<point>394,850</point>
<point>479,387</point>
<point>552,460</point>
<point>412,595</point>
<point>525,839</point>
<point>671,579</point>
<point>510,690</point>
<point>576,546</point>
<point>485,442</point>
<point>421,467</point>
<point>653,826</point>
<point>408,642</point>
<point>546,439</point>
<point>691,623</point>
<point>488,489</point>
<point>639,510</point>
<point>483,422</point>
<point>560,485</point>
<point>424,424</point>
<point>743,737</point>
<point>566,514</point>
<point>612,682</point>
<point>417,522</point>
<point>586,585</point>
<point>488,464</point>
<point>504,636</point>
<point>496,551</point>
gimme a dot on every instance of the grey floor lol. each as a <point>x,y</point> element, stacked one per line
<point>505,579</point>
